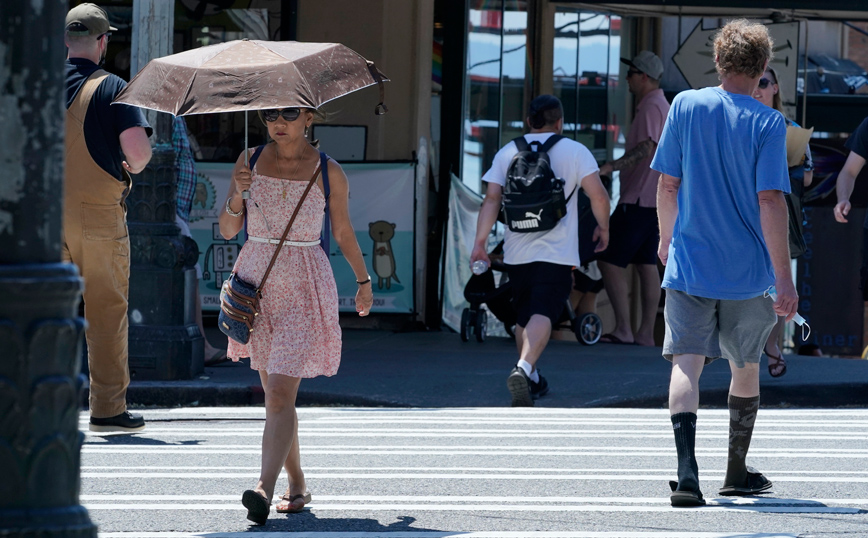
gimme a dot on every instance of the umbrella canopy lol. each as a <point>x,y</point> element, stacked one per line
<point>251,75</point>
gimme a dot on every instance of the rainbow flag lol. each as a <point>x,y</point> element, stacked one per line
<point>437,63</point>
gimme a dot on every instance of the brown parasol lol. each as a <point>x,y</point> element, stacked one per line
<point>251,75</point>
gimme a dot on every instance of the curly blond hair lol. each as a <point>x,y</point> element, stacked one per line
<point>742,47</point>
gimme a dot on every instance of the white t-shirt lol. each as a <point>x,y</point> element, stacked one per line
<point>571,161</point>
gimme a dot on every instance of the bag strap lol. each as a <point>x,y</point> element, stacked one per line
<point>255,157</point>
<point>286,231</point>
<point>552,140</point>
<point>521,143</point>
<point>326,234</point>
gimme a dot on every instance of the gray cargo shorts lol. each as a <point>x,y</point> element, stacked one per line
<point>715,328</point>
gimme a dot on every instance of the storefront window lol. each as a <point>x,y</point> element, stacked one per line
<point>566,67</point>
<point>483,92</point>
<point>516,80</point>
<point>587,46</point>
<point>220,137</point>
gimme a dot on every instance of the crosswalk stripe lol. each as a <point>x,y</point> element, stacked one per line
<point>485,508</point>
<point>447,534</point>
<point>541,422</point>
<point>474,450</point>
<point>90,468</point>
<point>459,476</point>
<point>416,499</point>
<point>504,434</point>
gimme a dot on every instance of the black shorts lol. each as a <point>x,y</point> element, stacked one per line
<point>586,284</point>
<point>633,236</point>
<point>540,288</point>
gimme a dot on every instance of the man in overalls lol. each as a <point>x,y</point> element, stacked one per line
<point>96,182</point>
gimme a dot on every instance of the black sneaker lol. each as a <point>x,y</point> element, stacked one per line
<point>538,390</point>
<point>519,386</point>
<point>125,422</point>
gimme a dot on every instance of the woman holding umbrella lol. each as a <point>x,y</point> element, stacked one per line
<point>296,334</point>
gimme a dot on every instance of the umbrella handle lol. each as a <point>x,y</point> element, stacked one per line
<point>245,195</point>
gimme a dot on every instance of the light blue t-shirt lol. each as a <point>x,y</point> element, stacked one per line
<point>726,148</point>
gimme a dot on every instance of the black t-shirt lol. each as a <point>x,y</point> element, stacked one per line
<point>858,144</point>
<point>103,122</point>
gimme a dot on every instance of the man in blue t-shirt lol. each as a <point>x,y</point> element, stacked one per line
<point>723,240</point>
<point>104,144</point>
<point>858,146</point>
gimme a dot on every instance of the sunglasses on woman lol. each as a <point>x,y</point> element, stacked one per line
<point>289,114</point>
<point>764,83</point>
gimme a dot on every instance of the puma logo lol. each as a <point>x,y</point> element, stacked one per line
<point>537,216</point>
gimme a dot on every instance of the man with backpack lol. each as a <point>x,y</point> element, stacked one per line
<point>535,179</point>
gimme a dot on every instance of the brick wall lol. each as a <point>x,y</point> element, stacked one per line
<point>857,45</point>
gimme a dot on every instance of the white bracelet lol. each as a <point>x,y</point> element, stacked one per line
<point>233,213</point>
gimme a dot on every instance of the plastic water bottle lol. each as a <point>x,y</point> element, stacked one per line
<point>479,266</point>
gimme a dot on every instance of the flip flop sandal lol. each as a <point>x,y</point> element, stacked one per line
<point>778,362</point>
<point>218,358</point>
<point>257,506</point>
<point>610,338</point>
<point>755,483</point>
<point>291,499</point>
<point>683,499</point>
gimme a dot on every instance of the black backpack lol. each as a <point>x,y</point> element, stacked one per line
<point>533,198</point>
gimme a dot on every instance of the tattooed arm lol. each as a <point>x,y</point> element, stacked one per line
<point>641,151</point>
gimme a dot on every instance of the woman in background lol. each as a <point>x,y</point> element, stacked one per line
<point>801,175</point>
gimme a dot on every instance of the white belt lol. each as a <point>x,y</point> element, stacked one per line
<point>277,241</point>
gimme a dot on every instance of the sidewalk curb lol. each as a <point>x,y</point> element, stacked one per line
<point>182,394</point>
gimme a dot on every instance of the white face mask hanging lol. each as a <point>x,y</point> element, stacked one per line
<point>802,322</point>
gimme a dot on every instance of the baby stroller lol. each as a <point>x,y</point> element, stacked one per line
<point>481,289</point>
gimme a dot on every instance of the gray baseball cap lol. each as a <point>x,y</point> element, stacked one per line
<point>87,19</point>
<point>647,62</point>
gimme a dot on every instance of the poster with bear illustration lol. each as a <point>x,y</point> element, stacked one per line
<point>381,208</point>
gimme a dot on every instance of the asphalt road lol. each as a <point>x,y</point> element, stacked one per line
<point>479,473</point>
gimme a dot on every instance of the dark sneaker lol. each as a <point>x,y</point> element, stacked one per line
<point>538,390</point>
<point>125,422</point>
<point>519,386</point>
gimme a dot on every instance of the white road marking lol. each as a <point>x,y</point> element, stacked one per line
<point>446,534</point>
<point>494,434</point>
<point>723,501</point>
<point>485,508</point>
<point>431,469</point>
<point>484,450</point>
<point>463,476</point>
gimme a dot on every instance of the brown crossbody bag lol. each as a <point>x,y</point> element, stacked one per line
<point>239,299</point>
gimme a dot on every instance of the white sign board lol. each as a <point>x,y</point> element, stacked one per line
<point>695,59</point>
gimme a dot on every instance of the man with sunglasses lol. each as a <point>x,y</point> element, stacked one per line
<point>104,144</point>
<point>633,236</point>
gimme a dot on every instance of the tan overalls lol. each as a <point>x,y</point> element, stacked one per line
<point>95,239</point>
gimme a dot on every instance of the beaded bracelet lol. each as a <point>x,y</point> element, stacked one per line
<point>233,213</point>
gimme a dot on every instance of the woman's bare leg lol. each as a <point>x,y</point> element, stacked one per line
<point>281,427</point>
<point>297,484</point>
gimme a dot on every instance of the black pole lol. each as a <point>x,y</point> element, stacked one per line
<point>40,332</point>
<point>288,20</point>
<point>454,16</point>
